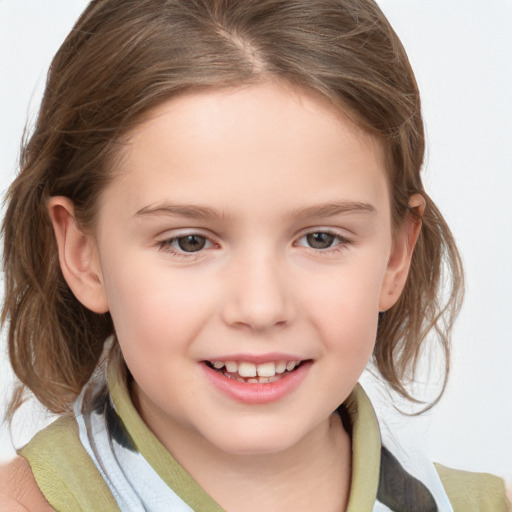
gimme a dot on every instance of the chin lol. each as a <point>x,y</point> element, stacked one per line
<point>256,447</point>
<point>256,441</point>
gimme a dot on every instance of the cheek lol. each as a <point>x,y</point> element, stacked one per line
<point>153,307</point>
<point>347,294</point>
<point>345,307</point>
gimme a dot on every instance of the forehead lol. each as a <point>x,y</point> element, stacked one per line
<point>253,106</point>
<point>256,140</point>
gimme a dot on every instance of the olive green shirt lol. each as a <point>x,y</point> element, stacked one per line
<point>70,481</point>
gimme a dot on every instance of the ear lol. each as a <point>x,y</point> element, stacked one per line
<point>399,262</point>
<point>78,256</point>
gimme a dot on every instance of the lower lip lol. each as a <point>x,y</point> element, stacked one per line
<point>252,393</point>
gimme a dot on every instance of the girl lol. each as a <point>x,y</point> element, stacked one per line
<point>219,220</point>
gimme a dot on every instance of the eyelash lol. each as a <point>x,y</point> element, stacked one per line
<point>167,244</point>
<point>342,242</point>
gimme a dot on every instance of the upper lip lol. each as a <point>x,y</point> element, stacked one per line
<point>257,358</point>
<point>244,368</point>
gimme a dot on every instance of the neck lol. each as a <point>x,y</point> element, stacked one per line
<point>314,474</point>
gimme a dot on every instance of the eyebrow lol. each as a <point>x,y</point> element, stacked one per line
<point>205,212</point>
<point>181,210</point>
<point>336,208</point>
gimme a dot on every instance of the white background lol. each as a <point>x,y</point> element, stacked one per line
<point>461,51</point>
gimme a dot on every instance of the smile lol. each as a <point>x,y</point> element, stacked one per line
<point>256,383</point>
<point>251,373</point>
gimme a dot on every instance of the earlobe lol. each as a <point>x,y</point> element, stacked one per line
<point>78,256</point>
<point>401,254</point>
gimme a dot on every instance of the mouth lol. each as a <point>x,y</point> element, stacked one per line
<point>251,373</point>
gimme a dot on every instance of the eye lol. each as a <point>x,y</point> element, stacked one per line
<point>186,244</point>
<point>191,243</point>
<point>322,240</point>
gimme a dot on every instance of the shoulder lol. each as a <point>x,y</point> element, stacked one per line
<point>58,439</point>
<point>478,492</point>
<point>19,491</point>
<point>63,470</point>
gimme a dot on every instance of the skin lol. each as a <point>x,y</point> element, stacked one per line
<point>268,166</point>
<point>18,489</point>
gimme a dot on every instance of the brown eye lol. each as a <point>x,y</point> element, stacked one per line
<point>320,240</point>
<point>191,243</point>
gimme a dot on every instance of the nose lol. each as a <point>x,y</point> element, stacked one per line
<point>258,294</point>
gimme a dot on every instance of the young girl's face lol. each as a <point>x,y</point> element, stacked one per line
<point>248,231</point>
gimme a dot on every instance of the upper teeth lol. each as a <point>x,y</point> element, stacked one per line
<point>246,369</point>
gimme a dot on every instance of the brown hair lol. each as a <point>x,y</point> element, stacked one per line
<point>124,57</point>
